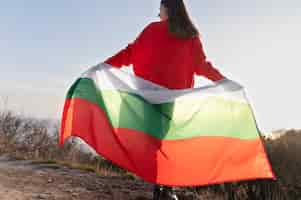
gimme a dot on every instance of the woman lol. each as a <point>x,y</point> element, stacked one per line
<point>168,52</point>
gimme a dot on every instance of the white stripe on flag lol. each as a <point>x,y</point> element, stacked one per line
<point>107,77</point>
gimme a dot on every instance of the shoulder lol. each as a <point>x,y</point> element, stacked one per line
<point>151,25</point>
<point>155,24</point>
<point>149,28</point>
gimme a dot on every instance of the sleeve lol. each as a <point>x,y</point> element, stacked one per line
<point>125,56</point>
<point>204,67</point>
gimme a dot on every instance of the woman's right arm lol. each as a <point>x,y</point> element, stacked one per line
<point>202,66</point>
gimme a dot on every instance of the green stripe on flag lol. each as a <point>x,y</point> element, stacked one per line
<point>182,119</point>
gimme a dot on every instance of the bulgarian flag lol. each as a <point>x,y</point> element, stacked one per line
<point>182,137</point>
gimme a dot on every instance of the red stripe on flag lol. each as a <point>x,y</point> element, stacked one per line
<point>188,162</point>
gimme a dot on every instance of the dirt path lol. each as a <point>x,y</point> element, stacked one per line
<point>29,180</point>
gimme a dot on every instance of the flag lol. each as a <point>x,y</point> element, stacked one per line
<point>177,137</point>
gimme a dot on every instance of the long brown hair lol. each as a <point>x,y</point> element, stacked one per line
<point>179,22</point>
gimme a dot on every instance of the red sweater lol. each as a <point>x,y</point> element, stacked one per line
<point>160,57</point>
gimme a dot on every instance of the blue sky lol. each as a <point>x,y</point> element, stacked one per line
<point>45,45</point>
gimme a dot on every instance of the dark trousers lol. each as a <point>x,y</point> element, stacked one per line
<point>160,192</point>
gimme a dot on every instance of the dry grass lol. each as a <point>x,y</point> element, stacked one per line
<point>27,138</point>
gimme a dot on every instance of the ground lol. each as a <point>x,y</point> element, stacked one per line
<point>31,180</point>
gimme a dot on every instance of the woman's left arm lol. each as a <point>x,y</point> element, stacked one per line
<point>126,55</point>
<point>123,57</point>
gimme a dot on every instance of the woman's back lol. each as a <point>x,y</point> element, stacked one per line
<point>160,57</point>
<point>164,59</point>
